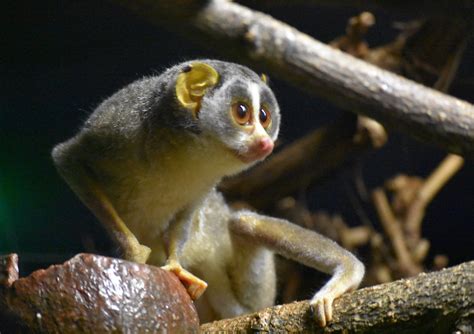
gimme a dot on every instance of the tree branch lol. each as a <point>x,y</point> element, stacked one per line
<point>394,231</point>
<point>351,84</point>
<point>398,307</point>
<point>433,184</point>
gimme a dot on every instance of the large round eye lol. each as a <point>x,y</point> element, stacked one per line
<point>241,113</point>
<point>265,117</point>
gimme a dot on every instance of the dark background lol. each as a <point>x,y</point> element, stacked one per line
<point>59,59</point>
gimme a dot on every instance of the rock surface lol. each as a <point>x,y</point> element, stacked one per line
<point>94,294</point>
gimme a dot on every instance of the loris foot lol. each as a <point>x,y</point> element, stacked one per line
<point>194,285</point>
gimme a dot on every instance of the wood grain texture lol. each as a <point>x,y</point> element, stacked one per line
<point>439,302</point>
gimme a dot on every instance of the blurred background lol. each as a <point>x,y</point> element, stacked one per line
<point>60,59</point>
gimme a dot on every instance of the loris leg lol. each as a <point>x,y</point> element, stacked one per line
<point>309,248</point>
<point>178,235</point>
<point>220,300</point>
<point>90,192</point>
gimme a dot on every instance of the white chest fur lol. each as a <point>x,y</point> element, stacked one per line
<point>173,181</point>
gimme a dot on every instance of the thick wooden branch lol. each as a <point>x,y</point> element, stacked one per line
<point>439,302</point>
<point>351,84</point>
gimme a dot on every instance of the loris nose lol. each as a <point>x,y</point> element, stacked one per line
<point>258,150</point>
<point>265,145</point>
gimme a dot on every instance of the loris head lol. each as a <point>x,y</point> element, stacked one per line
<point>232,104</point>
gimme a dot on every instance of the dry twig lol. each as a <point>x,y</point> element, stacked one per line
<point>393,229</point>
<point>433,184</point>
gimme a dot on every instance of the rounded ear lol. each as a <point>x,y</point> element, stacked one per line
<point>192,84</point>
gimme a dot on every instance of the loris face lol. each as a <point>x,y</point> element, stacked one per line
<point>239,110</point>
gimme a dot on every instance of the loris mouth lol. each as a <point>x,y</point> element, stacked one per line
<point>258,150</point>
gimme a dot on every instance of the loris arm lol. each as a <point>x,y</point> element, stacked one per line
<point>76,174</point>
<point>91,194</point>
<point>306,247</point>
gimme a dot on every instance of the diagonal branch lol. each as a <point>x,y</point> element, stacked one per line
<point>394,231</point>
<point>399,307</point>
<point>433,184</point>
<point>351,84</point>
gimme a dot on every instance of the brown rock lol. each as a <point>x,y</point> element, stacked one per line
<point>94,294</point>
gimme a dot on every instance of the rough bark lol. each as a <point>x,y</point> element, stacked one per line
<point>439,302</point>
<point>351,84</point>
<point>95,294</point>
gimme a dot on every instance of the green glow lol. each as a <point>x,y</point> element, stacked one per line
<point>7,237</point>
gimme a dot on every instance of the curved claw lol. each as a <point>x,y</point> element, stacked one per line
<point>322,310</point>
<point>194,285</point>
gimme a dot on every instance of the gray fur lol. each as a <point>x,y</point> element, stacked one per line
<point>137,112</point>
<point>147,167</point>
